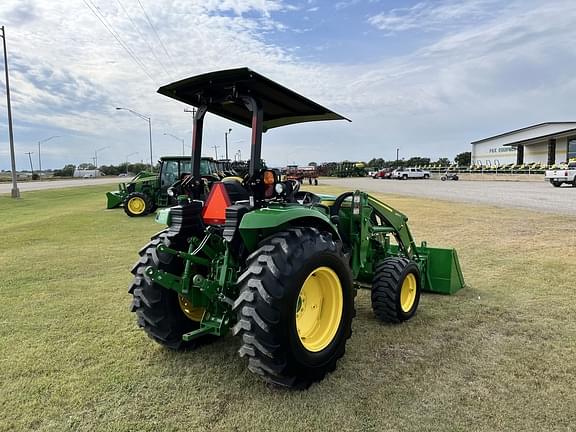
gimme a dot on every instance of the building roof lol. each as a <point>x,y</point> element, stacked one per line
<point>531,133</point>
<point>222,92</point>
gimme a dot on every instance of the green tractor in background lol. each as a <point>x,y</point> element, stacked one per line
<point>147,191</point>
<point>276,266</point>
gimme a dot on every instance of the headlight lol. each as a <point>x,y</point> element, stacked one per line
<point>279,188</point>
<point>170,192</point>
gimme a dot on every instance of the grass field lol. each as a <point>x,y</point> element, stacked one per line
<point>498,356</point>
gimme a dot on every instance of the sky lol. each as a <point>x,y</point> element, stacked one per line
<point>425,77</point>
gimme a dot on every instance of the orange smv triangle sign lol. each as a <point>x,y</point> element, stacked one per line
<point>214,211</point>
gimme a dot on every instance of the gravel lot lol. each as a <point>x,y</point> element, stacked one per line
<point>539,196</point>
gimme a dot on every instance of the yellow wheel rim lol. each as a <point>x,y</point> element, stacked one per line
<point>136,205</point>
<point>191,312</point>
<point>408,292</point>
<point>319,309</point>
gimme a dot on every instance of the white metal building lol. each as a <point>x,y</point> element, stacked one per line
<point>545,143</point>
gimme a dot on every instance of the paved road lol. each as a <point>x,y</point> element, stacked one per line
<point>57,184</point>
<point>539,196</point>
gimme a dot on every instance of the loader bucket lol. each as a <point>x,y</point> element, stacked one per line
<point>113,199</point>
<point>443,273</point>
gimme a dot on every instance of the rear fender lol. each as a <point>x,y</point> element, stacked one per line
<point>261,223</point>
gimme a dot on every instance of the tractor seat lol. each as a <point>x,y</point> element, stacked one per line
<point>235,190</point>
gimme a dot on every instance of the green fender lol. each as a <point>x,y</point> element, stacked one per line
<point>261,223</point>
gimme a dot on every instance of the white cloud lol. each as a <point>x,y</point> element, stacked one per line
<point>435,15</point>
<point>481,73</point>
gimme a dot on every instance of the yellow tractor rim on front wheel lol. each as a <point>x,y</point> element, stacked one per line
<point>136,205</point>
<point>191,312</point>
<point>408,292</point>
<point>319,309</point>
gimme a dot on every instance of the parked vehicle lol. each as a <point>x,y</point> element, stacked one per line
<point>409,173</point>
<point>148,191</point>
<point>449,176</point>
<point>557,177</point>
<point>385,173</point>
<point>276,267</point>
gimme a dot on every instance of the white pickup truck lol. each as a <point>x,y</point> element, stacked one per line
<point>408,173</point>
<point>563,175</point>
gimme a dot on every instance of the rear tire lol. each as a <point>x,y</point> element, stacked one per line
<point>158,309</point>
<point>279,287</point>
<point>137,204</point>
<point>455,178</point>
<point>393,299</point>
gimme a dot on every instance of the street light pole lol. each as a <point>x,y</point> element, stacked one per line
<point>226,140</point>
<point>31,167</point>
<point>96,159</point>
<point>216,150</point>
<point>178,138</point>
<point>127,156</point>
<point>193,111</point>
<point>39,158</point>
<point>149,120</point>
<point>15,192</point>
<point>397,153</point>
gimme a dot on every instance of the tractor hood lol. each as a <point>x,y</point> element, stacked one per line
<point>222,91</point>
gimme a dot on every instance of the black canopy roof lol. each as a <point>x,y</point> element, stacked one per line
<point>220,91</point>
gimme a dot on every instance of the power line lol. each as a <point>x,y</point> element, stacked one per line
<point>94,9</point>
<point>155,32</point>
<point>143,36</point>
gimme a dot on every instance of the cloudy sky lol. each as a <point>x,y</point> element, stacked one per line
<point>426,77</point>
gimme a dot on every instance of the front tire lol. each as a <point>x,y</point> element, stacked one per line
<point>395,289</point>
<point>295,307</point>
<point>137,204</point>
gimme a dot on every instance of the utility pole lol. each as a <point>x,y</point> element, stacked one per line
<point>216,150</point>
<point>15,192</point>
<point>31,167</point>
<point>226,140</point>
<point>397,153</point>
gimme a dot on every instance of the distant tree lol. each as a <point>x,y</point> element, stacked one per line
<point>415,161</point>
<point>443,162</point>
<point>463,159</point>
<point>67,171</point>
<point>111,170</point>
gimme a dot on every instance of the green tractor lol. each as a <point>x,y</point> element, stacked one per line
<point>276,266</point>
<point>148,191</point>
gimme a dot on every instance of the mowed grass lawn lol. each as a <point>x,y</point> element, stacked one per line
<point>498,356</point>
